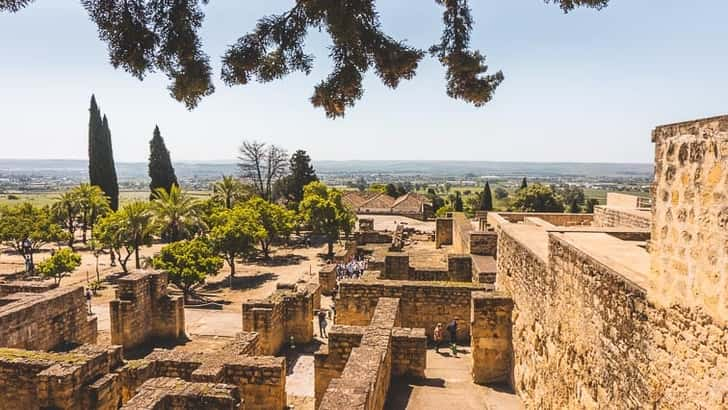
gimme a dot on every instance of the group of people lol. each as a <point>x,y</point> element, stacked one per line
<point>352,270</point>
<point>452,330</point>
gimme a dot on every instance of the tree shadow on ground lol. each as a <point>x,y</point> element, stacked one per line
<point>282,260</point>
<point>247,281</point>
<point>141,351</point>
<point>402,387</point>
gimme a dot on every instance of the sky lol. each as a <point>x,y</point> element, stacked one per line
<point>588,86</point>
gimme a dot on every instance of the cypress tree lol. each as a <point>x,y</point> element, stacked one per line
<point>524,183</point>
<point>101,169</point>
<point>486,199</point>
<point>160,165</point>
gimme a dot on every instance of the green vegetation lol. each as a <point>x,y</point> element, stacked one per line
<point>537,198</point>
<point>161,170</point>
<point>60,264</point>
<point>235,232</point>
<point>324,211</point>
<point>188,263</point>
<point>175,214</point>
<point>101,169</point>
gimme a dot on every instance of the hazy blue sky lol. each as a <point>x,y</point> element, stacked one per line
<point>588,86</point>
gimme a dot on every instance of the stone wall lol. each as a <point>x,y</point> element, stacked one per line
<point>483,243</point>
<point>422,304</point>
<point>619,200</point>
<point>443,231</point>
<point>176,394</point>
<point>286,313</point>
<point>35,379</point>
<point>592,338</point>
<point>490,321</point>
<point>556,219</point>
<point>397,267</point>
<point>44,321</point>
<point>327,279</point>
<point>605,216</point>
<point>143,312</point>
<point>20,286</point>
<point>690,214</point>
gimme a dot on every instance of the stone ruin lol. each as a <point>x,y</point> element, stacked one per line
<point>625,308</point>
<point>142,311</point>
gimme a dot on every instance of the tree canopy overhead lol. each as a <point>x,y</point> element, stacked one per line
<point>153,35</point>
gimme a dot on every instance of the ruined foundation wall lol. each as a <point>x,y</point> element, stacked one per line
<point>492,353</point>
<point>142,310</point>
<point>690,215</point>
<point>43,321</point>
<point>557,219</point>
<point>443,231</point>
<point>422,304</point>
<point>592,338</point>
<point>286,313</point>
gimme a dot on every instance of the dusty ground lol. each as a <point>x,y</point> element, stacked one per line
<point>389,222</point>
<point>448,384</point>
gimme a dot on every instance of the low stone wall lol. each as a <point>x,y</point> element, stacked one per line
<point>422,304</point>
<point>35,379</point>
<point>286,313</point>
<point>606,216</point>
<point>593,338</point>
<point>557,219</point>
<point>356,367</point>
<point>170,393</point>
<point>142,310</point>
<point>397,267</point>
<point>443,232</point>
<point>483,243</point>
<point>44,321</point>
<point>21,286</point>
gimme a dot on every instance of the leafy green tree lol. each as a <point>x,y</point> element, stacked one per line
<point>129,228</point>
<point>92,204</point>
<point>590,204</point>
<point>188,263</point>
<point>102,171</point>
<point>60,264</point>
<point>486,198</point>
<point>574,207</point>
<point>161,170</point>
<point>66,210</point>
<point>25,221</point>
<point>377,187</point>
<point>323,209</point>
<point>301,173</point>
<point>175,214</point>
<point>276,220</point>
<point>537,198</point>
<point>235,232</point>
<point>148,36</point>
<point>391,190</point>
<point>444,210</point>
<point>524,183</point>
<point>573,196</point>
<point>500,193</point>
<point>229,190</point>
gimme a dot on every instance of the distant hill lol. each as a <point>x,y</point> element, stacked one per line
<point>213,169</point>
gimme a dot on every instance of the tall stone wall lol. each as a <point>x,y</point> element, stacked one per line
<point>44,321</point>
<point>690,214</point>
<point>490,318</point>
<point>422,304</point>
<point>483,243</point>
<point>591,338</point>
<point>556,219</point>
<point>142,310</point>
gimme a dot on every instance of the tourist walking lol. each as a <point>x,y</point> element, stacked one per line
<point>322,323</point>
<point>437,334</point>
<point>452,328</point>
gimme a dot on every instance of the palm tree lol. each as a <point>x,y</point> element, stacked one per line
<point>138,227</point>
<point>229,190</point>
<point>65,211</point>
<point>175,214</point>
<point>93,204</point>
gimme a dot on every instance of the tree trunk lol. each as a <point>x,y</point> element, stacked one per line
<point>136,257</point>
<point>231,261</point>
<point>85,227</point>
<point>331,248</point>
<point>264,245</point>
